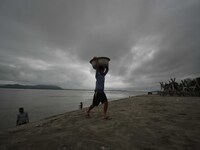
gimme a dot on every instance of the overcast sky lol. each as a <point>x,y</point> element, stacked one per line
<point>52,41</point>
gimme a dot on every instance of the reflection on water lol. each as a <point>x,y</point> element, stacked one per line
<point>44,103</point>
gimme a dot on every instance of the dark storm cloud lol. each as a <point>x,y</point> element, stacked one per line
<point>52,41</point>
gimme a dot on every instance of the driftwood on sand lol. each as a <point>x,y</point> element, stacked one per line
<point>187,87</point>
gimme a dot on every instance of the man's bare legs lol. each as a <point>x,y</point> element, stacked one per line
<point>88,112</point>
<point>105,108</point>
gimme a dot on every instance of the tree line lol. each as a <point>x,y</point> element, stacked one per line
<point>187,87</point>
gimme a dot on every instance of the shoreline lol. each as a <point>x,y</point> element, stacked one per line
<point>138,122</point>
<point>44,103</point>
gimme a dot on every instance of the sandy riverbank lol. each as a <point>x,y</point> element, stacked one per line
<point>138,123</point>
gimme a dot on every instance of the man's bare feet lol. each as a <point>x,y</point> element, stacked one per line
<point>107,118</point>
<point>87,115</point>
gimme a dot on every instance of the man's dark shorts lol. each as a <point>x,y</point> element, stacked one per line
<point>99,97</point>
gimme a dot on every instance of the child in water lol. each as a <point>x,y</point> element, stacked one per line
<point>22,117</point>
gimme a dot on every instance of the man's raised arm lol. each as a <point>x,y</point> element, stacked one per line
<point>105,70</point>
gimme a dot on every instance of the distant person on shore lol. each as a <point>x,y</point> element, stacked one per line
<point>22,117</point>
<point>99,95</point>
<point>81,105</point>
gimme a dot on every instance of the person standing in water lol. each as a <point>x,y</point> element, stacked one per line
<point>99,95</point>
<point>22,117</point>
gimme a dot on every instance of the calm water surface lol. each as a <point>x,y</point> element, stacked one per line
<point>44,103</point>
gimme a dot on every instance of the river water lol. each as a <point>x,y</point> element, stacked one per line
<point>44,103</point>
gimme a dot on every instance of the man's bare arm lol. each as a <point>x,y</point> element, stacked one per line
<point>107,69</point>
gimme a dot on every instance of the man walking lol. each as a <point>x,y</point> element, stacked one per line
<point>99,95</point>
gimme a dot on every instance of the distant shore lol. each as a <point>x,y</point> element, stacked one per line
<point>141,122</point>
<point>19,86</point>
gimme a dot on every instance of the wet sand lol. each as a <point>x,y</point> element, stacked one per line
<point>138,123</point>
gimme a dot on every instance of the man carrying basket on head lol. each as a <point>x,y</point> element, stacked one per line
<point>99,95</point>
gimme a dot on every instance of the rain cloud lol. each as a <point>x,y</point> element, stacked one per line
<point>51,42</point>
